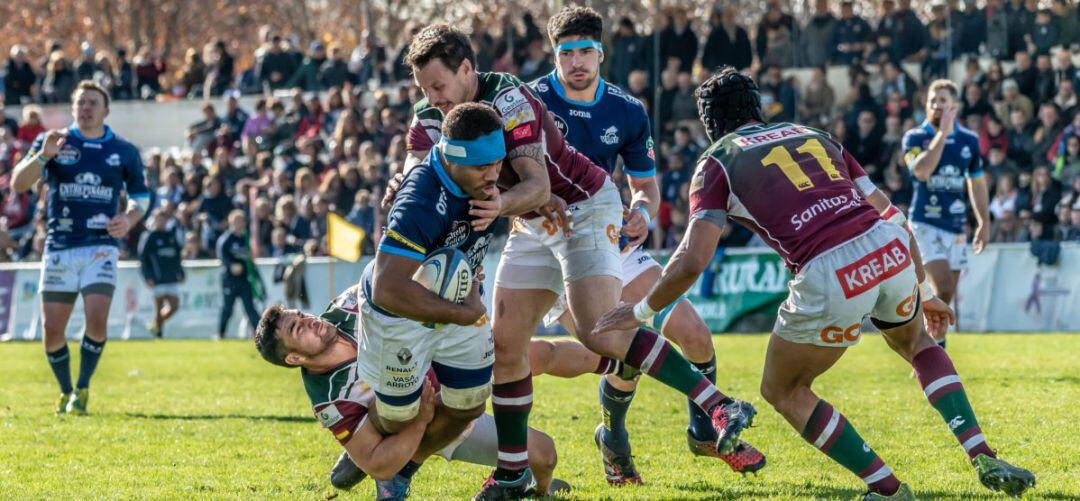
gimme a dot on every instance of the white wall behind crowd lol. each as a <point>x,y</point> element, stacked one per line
<point>1003,289</point>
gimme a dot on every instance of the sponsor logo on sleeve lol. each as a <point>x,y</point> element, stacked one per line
<point>329,415</point>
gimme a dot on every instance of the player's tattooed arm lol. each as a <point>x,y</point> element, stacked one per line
<point>533,188</point>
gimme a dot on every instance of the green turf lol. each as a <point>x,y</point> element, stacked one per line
<point>192,419</point>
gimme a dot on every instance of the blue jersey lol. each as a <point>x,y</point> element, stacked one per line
<point>85,179</point>
<point>430,212</point>
<point>939,201</point>
<point>613,125</point>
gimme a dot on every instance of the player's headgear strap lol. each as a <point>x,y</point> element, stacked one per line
<point>480,151</point>
<point>727,101</point>
<point>579,44</point>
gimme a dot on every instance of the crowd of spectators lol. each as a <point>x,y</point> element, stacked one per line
<point>328,127</point>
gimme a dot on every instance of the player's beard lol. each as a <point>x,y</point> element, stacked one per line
<point>582,84</point>
<point>935,118</point>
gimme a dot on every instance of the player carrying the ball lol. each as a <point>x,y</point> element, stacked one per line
<point>603,122</point>
<point>813,204</point>
<point>85,168</point>
<point>545,256</point>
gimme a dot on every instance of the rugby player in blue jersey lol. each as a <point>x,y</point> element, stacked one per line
<point>84,168</point>
<point>605,123</point>
<point>944,161</point>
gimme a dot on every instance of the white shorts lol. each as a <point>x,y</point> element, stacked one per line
<point>634,262</point>
<point>828,298</point>
<point>172,289</point>
<point>74,269</point>
<point>395,354</point>
<point>936,244</point>
<point>540,256</point>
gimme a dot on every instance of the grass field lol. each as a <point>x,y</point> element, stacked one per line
<point>201,420</point>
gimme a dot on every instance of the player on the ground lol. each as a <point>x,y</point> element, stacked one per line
<point>546,255</point>
<point>601,121</point>
<point>325,348</point>
<point>944,160</point>
<point>84,168</point>
<point>804,195</point>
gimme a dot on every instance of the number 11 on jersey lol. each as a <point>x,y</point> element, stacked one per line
<point>781,157</point>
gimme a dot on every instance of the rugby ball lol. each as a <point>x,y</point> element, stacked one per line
<point>447,273</point>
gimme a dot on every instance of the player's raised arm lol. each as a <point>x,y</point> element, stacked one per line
<point>29,169</point>
<point>923,163</point>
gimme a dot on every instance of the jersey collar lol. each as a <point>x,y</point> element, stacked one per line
<point>926,126</point>
<point>553,80</point>
<point>435,160</point>
<point>105,137</point>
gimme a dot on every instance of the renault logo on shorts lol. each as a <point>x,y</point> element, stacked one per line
<point>404,356</point>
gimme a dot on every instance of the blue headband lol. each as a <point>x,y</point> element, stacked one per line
<point>580,44</point>
<point>476,152</point>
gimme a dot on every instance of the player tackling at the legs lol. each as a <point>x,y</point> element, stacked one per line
<point>812,203</point>
<point>85,167</point>
<point>545,255</point>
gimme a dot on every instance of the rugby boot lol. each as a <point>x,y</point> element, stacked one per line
<point>345,474</point>
<point>902,494</point>
<point>62,402</point>
<point>395,489</point>
<point>998,475</point>
<point>619,468</point>
<point>744,459</point>
<point>497,490</point>
<point>558,487</point>
<point>729,419</point>
<point>78,402</point>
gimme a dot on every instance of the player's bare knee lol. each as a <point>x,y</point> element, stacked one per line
<point>692,336</point>
<point>394,418</point>
<point>776,394</point>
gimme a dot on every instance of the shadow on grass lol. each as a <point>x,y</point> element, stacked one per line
<point>215,417</point>
<point>827,492</point>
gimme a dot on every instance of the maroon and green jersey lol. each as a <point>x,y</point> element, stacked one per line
<point>339,399</point>
<point>792,185</point>
<point>525,121</point>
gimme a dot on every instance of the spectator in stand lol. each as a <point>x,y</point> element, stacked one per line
<point>334,72</point>
<point>866,144</point>
<point>171,187</point>
<point>1045,33</point>
<point>1046,134</point>
<point>1074,222</point>
<point>969,27</point>
<point>1007,229</point>
<point>1068,24</point>
<point>1065,99</point>
<point>219,68</point>
<point>537,62</point>
<point>884,50</point>
<point>213,208</point>
<point>125,77</point>
<point>909,33</point>
<point>627,54</point>
<point>85,64</point>
<point>1021,23</point>
<point>998,165</point>
<point>728,43</point>
<point>852,36</point>
<point>683,104</point>
<point>1005,197</point>
<point>200,134</point>
<point>678,40</point>
<point>939,49</point>
<point>273,66</point>
<point>368,62</point>
<point>1045,196</point>
<point>1067,164</point>
<point>815,42</point>
<point>975,102</point>
<point>1012,99</point>
<point>149,66</point>
<point>1025,75</point>
<point>234,117</point>
<point>1066,231</point>
<point>1045,80</point>
<point>307,75</point>
<point>777,95</point>
<point>992,135</point>
<point>29,128</point>
<point>638,86</point>
<point>256,129</point>
<point>775,39</point>
<point>817,99</point>
<point>159,254</point>
<point>192,75</point>
<point>19,77</point>
<point>59,81</point>
<point>997,30</point>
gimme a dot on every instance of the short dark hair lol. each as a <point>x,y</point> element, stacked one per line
<point>442,42</point>
<point>86,85</point>
<point>266,336</point>
<point>469,121</point>
<point>579,21</point>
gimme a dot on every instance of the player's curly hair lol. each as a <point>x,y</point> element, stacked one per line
<point>442,42</point>
<point>469,121</point>
<point>266,336</point>
<point>726,101</point>
<point>571,21</point>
